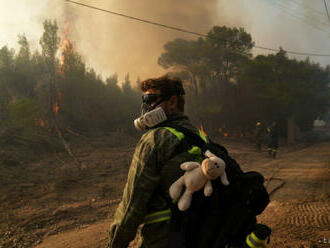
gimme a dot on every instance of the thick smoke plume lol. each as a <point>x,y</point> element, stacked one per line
<point>112,44</point>
<point>116,44</point>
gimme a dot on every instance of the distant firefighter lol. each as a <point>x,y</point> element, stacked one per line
<point>258,136</point>
<point>273,139</point>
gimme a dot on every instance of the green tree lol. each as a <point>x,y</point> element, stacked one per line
<point>277,88</point>
<point>25,78</point>
<point>50,42</point>
<point>6,77</point>
<point>184,55</point>
<point>24,53</point>
<point>211,66</point>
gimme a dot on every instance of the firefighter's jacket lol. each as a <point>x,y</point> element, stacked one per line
<point>153,169</point>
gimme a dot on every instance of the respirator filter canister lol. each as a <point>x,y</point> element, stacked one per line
<point>150,119</point>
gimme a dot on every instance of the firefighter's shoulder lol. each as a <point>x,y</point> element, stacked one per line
<point>161,135</point>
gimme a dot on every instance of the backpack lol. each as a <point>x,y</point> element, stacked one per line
<point>229,214</point>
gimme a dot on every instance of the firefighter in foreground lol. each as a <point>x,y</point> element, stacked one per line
<point>225,218</point>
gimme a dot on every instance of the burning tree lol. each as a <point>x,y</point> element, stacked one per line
<point>45,96</point>
<point>50,42</point>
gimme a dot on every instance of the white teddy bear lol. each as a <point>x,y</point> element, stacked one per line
<point>196,177</point>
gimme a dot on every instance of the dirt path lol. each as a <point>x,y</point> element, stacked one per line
<point>299,212</point>
<point>90,236</point>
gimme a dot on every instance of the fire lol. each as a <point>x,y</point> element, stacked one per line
<point>225,134</point>
<point>66,48</point>
<point>56,108</point>
<point>66,45</point>
<point>56,105</point>
<point>202,130</point>
<point>40,123</point>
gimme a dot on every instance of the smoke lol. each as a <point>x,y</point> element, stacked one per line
<point>294,25</point>
<point>113,44</point>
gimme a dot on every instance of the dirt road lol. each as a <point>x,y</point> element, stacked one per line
<point>76,211</point>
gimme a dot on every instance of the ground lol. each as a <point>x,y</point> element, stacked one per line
<point>50,203</point>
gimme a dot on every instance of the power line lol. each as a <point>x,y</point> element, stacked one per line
<point>138,19</point>
<point>326,8</point>
<point>184,30</point>
<point>313,18</point>
<point>315,10</point>
<point>294,52</point>
<point>314,15</point>
<point>297,16</point>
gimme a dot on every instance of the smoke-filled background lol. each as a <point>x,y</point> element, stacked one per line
<point>113,44</point>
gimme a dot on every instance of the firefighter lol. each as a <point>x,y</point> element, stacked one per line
<point>272,139</point>
<point>145,199</point>
<point>156,165</point>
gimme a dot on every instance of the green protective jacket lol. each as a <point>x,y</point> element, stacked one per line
<point>153,169</point>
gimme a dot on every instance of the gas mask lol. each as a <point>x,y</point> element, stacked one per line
<point>151,116</point>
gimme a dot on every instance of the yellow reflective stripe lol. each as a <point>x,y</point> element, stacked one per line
<point>158,220</point>
<point>202,136</point>
<point>254,242</point>
<point>167,211</point>
<point>158,216</point>
<point>195,150</point>
<point>178,134</point>
<point>250,242</point>
<point>166,214</point>
<point>256,239</point>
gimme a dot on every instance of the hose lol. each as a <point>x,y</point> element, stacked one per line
<point>274,178</point>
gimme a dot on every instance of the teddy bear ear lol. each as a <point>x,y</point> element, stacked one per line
<point>209,154</point>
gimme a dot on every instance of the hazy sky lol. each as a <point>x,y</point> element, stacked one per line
<point>112,44</point>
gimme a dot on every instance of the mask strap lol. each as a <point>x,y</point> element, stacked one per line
<point>163,98</point>
<point>154,106</point>
<point>159,102</point>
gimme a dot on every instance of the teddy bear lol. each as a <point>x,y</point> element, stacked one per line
<point>196,177</point>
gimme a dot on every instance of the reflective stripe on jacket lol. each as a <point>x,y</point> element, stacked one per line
<point>166,214</point>
<point>153,169</point>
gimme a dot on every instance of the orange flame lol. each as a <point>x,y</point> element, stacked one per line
<point>56,108</point>
<point>65,45</point>
<point>40,123</point>
<point>202,130</point>
<point>225,135</point>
